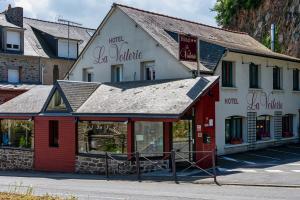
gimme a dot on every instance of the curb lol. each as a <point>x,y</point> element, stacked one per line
<point>249,185</point>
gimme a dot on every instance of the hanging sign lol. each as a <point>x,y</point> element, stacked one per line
<point>188,48</point>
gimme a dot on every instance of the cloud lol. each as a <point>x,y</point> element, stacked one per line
<point>91,12</point>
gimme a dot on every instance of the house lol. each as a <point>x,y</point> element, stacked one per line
<point>259,88</point>
<point>34,51</point>
<point>128,92</point>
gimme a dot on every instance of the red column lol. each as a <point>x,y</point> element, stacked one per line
<point>167,136</point>
<point>130,138</point>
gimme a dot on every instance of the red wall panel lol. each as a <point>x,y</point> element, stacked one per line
<point>59,159</point>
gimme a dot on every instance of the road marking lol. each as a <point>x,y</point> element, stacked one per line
<point>273,170</point>
<point>236,160</point>
<point>283,151</point>
<point>248,170</point>
<point>223,169</point>
<point>230,159</point>
<point>252,154</point>
<point>294,164</point>
<point>298,171</point>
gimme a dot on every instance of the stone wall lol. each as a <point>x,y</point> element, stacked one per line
<point>96,165</point>
<point>16,159</point>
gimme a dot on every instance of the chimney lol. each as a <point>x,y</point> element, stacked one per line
<point>273,37</point>
<point>14,15</point>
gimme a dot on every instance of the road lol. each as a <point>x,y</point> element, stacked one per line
<point>89,187</point>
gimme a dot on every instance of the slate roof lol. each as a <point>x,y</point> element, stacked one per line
<point>161,97</point>
<point>28,103</point>
<point>77,92</point>
<point>9,86</point>
<point>5,23</point>
<point>164,98</point>
<point>34,45</point>
<point>157,26</point>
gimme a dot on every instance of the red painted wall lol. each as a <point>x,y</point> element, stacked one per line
<point>6,95</point>
<point>59,159</point>
<point>205,110</point>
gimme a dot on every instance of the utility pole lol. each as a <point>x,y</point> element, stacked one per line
<point>68,22</point>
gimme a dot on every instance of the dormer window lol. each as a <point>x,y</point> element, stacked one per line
<point>62,49</point>
<point>13,40</point>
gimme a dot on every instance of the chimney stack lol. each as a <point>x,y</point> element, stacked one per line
<point>273,37</point>
<point>14,15</point>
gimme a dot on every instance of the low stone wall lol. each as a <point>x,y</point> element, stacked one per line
<point>16,159</point>
<point>96,165</point>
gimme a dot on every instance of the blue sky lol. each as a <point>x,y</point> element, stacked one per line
<point>91,12</point>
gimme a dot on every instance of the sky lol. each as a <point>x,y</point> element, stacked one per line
<point>90,13</point>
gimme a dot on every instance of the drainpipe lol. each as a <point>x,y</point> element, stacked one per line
<point>273,27</point>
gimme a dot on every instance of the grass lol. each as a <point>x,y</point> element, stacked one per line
<point>20,192</point>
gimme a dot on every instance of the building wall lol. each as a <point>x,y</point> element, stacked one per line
<point>59,159</point>
<point>30,71</point>
<point>103,53</point>
<point>48,64</point>
<point>16,159</point>
<point>242,100</point>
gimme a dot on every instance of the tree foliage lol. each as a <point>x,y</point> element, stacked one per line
<point>226,9</point>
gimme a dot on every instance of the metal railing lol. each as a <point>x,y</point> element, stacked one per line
<point>143,164</point>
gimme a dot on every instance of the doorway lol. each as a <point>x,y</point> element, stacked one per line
<point>182,140</point>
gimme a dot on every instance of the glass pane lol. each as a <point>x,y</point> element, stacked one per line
<point>182,132</point>
<point>234,130</point>
<point>56,103</point>
<point>100,137</point>
<point>149,138</point>
<point>16,133</point>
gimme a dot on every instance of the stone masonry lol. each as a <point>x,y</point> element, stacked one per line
<point>16,159</point>
<point>96,165</point>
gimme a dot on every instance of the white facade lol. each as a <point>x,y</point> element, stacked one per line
<point>62,48</point>
<point>121,42</point>
<point>240,99</point>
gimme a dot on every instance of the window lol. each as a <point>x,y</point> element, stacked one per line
<point>13,40</point>
<point>13,75</point>
<point>88,75</point>
<point>234,130</point>
<point>277,78</point>
<point>296,79</point>
<point>100,137</point>
<point>55,73</point>
<point>287,125</point>
<point>117,73</point>
<point>62,49</point>
<point>148,71</point>
<point>227,74</point>
<point>149,138</point>
<point>253,75</point>
<point>56,103</point>
<point>53,133</point>
<point>263,127</point>
<point>16,133</point>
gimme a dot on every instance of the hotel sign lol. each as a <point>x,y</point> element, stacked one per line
<point>117,50</point>
<point>188,48</point>
<point>258,100</point>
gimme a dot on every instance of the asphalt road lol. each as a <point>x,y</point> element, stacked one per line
<point>85,187</point>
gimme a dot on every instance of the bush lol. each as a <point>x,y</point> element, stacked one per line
<point>226,9</point>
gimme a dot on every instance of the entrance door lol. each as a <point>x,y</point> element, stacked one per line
<point>182,140</point>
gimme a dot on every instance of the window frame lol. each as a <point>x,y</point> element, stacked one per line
<point>253,76</point>
<point>148,72</point>
<point>266,121</point>
<point>277,78</point>
<point>117,73</point>
<point>289,132</point>
<point>233,121</point>
<point>12,45</point>
<point>18,72</point>
<point>53,133</point>
<point>227,73</point>
<point>296,80</point>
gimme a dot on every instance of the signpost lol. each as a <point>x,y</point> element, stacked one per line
<point>188,50</point>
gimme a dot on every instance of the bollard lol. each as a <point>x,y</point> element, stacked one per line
<point>214,165</point>
<point>106,165</point>
<point>174,165</point>
<point>138,168</point>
